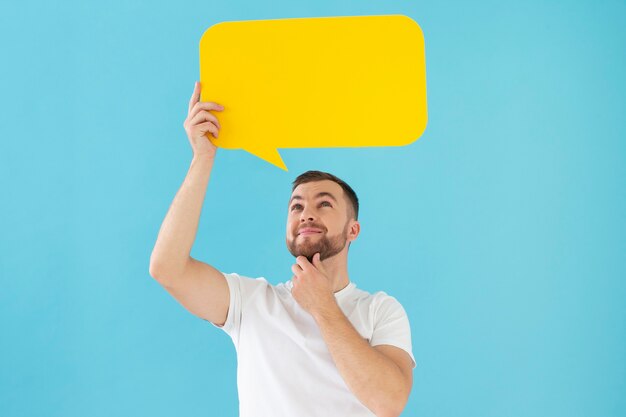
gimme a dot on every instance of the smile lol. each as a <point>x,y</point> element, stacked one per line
<point>309,233</point>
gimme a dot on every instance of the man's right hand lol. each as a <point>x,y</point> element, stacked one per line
<point>199,122</point>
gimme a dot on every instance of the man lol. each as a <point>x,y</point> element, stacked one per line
<point>314,345</point>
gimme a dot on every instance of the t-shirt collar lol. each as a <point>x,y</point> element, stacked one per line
<point>341,293</point>
<point>345,290</point>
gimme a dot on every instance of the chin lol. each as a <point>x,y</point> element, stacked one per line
<point>306,251</point>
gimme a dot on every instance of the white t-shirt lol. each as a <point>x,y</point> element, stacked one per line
<point>284,367</point>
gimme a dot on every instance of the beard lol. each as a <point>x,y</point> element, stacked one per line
<point>326,246</point>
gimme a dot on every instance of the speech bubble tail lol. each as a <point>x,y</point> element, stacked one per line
<point>270,155</point>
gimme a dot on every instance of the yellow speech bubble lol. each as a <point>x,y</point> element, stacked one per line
<point>315,82</point>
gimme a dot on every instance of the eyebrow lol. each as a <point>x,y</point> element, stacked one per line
<point>321,194</point>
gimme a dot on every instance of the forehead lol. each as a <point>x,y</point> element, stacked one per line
<point>311,189</point>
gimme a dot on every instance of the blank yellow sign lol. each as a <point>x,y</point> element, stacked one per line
<point>315,82</point>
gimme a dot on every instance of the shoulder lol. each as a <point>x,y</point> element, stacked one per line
<point>377,299</point>
<point>379,303</point>
<point>245,283</point>
<point>381,298</point>
<point>247,279</point>
<point>385,305</point>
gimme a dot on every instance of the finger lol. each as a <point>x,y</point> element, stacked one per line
<point>203,128</point>
<point>316,261</point>
<point>195,96</point>
<point>199,109</point>
<point>204,106</point>
<point>204,116</point>
<point>303,262</point>
<point>295,268</point>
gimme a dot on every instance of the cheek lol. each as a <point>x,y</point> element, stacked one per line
<point>291,225</point>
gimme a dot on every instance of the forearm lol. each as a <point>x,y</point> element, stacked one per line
<point>373,378</point>
<point>178,231</point>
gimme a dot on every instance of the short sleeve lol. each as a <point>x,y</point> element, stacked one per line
<point>233,316</point>
<point>391,325</point>
<point>242,290</point>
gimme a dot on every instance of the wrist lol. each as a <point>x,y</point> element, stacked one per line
<point>205,158</point>
<point>327,311</point>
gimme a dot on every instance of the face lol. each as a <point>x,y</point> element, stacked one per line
<point>318,220</point>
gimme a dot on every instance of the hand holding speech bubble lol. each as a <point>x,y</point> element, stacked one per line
<point>315,82</point>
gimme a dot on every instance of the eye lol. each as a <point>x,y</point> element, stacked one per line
<point>294,206</point>
<point>329,205</point>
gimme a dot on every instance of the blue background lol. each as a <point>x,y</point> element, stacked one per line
<point>500,230</point>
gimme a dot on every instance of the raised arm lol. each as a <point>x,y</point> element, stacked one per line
<point>199,287</point>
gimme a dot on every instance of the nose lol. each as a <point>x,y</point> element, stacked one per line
<point>306,214</point>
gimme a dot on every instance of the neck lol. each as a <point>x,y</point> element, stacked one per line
<point>337,269</point>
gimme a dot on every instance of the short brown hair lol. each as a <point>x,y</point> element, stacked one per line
<point>311,176</point>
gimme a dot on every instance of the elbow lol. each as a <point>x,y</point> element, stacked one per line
<point>162,278</point>
<point>153,269</point>
<point>163,274</point>
<point>389,413</point>
<point>153,272</point>
<point>156,271</point>
<point>393,408</point>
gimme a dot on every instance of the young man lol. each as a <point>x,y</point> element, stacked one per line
<point>314,345</point>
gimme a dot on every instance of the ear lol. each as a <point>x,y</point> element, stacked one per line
<point>354,230</point>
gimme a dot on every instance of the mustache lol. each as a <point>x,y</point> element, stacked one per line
<point>311,225</point>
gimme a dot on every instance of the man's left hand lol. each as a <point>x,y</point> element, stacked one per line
<point>312,288</point>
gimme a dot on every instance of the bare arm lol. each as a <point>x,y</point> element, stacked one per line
<point>199,287</point>
<point>178,231</point>
<point>380,377</point>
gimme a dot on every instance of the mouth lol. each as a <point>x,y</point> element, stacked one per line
<point>308,231</point>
